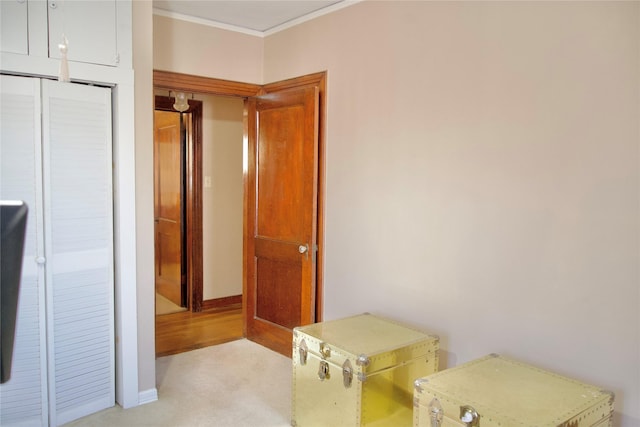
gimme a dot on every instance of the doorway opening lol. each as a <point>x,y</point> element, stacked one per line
<point>203,143</point>
<point>177,138</point>
<point>243,93</point>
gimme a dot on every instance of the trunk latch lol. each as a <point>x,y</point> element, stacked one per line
<point>435,413</point>
<point>323,370</point>
<point>347,374</point>
<point>302,350</point>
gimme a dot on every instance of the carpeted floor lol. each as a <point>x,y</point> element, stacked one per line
<point>235,384</point>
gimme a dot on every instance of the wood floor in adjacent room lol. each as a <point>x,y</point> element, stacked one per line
<point>186,331</point>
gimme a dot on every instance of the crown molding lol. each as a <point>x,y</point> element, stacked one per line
<point>207,22</point>
<point>313,15</point>
<point>255,33</point>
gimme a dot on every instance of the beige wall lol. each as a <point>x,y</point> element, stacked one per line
<point>482,176</point>
<point>481,170</point>
<point>189,48</point>
<point>222,130</point>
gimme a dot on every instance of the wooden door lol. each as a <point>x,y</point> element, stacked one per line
<point>281,228</point>
<point>168,205</point>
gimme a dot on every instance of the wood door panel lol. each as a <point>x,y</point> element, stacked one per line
<point>168,268</point>
<point>279,271</point>
<point>275,301</point>
<point>281,175</point>
<point>167,202</point>
<point>168,168</point>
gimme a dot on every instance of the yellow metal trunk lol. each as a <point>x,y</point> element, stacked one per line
<point>358,371</point>
<point>497,391</point>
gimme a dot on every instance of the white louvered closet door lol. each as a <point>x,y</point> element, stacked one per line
<point>23,399</point>
<point>79,243</point>
<point>71,171</point>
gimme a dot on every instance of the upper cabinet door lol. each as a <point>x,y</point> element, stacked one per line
<point>14,29</point>
<point>90,28</point>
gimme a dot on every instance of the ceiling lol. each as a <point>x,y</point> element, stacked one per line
<point>250,15</point>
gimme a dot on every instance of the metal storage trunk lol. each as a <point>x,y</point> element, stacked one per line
<point>358,371</point>
<point>497,391</point>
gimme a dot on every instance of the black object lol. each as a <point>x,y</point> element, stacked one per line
<point>13,225</point>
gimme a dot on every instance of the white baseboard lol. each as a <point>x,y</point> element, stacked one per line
<point>147,396</point>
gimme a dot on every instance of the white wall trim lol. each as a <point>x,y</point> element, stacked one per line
<point>125,244</point>
<point>148,396</point>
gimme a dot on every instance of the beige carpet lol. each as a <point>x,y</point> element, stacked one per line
<point>166,306</point>
<point>235,384</point>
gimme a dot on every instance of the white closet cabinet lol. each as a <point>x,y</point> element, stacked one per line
<point>14,35</point>
<point>90,27</point>
<point>55,153</point>
<point>35,27</point>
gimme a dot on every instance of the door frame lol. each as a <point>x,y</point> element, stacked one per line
<point>192,227</point>
<point>168,80</point>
